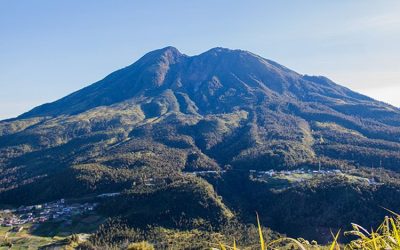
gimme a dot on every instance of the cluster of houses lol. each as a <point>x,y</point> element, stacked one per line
<point>57,211</point>
<point>272,173</point>
<point>258,174</point>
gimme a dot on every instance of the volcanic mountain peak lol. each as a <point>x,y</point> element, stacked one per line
<point>213,72</point>
<point>218,80</point>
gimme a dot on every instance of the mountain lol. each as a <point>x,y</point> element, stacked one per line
<point>168,114</point>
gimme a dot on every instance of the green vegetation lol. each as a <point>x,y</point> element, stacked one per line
<point>50,234</point>
<point>117,234</point>
<point>80,224</point>
<point>23,239</point>
<point>186,203</point>
<point>386,236</point>
<point>144,131</point>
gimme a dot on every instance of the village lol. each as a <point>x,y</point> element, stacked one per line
<point>272,173</point>
<point>295,175</point>
<point>59,210</point>
<point>300,175</point>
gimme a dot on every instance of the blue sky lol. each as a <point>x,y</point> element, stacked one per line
<point>49,48</point>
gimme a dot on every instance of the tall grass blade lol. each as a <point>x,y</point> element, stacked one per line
<point>335,241</point>
<point>395,231</point>
<point>374,239</point>
<point>390,211</point>
<point>358,227</point>
<point>260,233</point>
<point>385,236</point>
<point>222,246</point>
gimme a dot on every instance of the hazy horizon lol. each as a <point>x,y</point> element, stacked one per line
<point>51,49</point>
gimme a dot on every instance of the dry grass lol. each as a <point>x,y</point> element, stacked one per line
<point>385,237</point>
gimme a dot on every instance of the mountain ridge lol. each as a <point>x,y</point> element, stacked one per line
<point>158,61</point>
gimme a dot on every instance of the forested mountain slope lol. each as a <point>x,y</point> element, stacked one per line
<point>169,113</point>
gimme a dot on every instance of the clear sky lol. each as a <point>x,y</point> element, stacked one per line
<point>50,48</point>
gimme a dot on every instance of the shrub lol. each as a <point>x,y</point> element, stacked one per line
<point>140,246</point>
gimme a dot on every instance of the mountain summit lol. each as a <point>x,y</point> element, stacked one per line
<point>172,113</point>
<point>214,75</point>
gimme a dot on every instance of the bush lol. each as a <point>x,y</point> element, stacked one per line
<point>140,246</point>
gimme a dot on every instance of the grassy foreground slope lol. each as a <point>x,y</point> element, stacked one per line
<point>385,236</point>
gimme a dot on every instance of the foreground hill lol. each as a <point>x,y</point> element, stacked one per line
<point>142,128</point>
